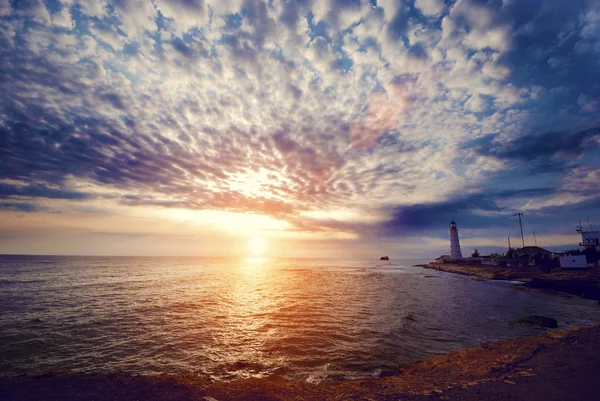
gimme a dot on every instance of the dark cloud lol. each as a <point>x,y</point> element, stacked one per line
<point>257,15</point>
<point>418,51</point>
<point>550,151</point>
<point>545,52</point>
<point>39,191</point>
<point>293,11</point>
<point>191,49</point>
<point>295,91</point>
<point>479,210</point>
<point>399,23</point>
<point>113,99</point>
<point>20,206</point>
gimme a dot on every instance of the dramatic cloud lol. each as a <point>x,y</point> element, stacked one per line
<point>356,120</point>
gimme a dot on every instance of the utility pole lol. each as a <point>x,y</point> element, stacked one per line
<point>509,248</point>
<point>520,224</point>
<point>534,239</point>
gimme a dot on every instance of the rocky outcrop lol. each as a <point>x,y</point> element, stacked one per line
<point>536,320</point>
<point>585,284</point>
<point>585,288</point>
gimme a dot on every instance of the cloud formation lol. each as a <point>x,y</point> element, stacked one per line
<point>410,111</point>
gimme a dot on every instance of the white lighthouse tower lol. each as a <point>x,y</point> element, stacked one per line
<point>454,242</point>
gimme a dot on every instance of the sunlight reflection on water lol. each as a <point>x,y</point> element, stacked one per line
<point>234,318</point>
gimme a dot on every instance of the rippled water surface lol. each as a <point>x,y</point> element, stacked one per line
<point>312,319</point>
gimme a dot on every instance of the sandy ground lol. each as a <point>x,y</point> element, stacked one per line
<point>559,366</point>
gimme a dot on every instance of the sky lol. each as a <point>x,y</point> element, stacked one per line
<point>338,128</point>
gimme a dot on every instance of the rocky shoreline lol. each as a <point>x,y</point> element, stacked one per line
<point>560,365</point>
<point>582,283</point>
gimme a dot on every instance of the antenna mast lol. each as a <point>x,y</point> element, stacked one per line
<point>521,225</point>
<point>509,248</point>
<point>534,239</point>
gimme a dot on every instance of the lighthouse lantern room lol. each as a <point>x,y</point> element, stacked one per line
<point>454,242</point>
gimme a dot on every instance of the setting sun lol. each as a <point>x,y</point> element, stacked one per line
<point>257,246</point>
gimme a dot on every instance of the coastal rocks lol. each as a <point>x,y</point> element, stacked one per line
<point>585,284</point>
<point>384,258</point>
<point>537,320</point>
<point>586,287</point>
<point>556,334</point>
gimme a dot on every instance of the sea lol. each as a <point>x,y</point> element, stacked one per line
<point>226,319</point>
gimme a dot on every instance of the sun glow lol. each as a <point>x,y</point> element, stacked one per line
<point>257,246</point>
<point>237,224</point>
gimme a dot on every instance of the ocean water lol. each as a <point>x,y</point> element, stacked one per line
<point>309,319</point>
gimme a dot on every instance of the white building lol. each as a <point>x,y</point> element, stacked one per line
<point>573,262</point>
<point>454,242</point>
<point>589,238</point>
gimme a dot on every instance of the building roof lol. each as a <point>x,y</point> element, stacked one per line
<point>531,250</point>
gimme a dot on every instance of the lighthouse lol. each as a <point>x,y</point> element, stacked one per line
<point>454,242</point>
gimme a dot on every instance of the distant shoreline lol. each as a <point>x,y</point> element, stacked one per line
<point>365,258</point>
<point>582,283</point>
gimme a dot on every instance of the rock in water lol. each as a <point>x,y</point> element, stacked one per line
<point>539,321</point>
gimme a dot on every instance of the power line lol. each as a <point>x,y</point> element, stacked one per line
<point>520,224</point>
